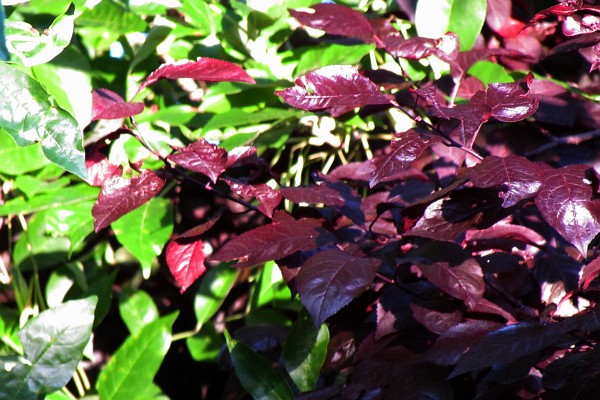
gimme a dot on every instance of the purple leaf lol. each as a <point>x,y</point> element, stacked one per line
<point>120,196</point>
<point>506,231</point>
<point>99,169</point>
<point>356,171</point>
<point>463,281</point>
<point>329,280</point>
<point>336,20</point>
<point>589,272</point>
<point>203,69</point>
<point>269,198</point>
<point>107,104</point>
<point>337,89</point>
<point>565,202</point>
<point>274,241</point>
<point>202,157</point>
<point>519,177</point>
<point>498,14</point>
<point>434,320</point>
<point>403,151</point>
<point>185,259</point>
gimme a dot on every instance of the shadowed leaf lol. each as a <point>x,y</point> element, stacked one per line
<point>589,272</point>
<point>269,198</point>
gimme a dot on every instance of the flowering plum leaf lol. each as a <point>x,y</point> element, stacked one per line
<point>107,104</point>
<point>269,198</point>
<point>277,240</point>
<point>336,20</point>
<point>120,196</point>
<point>203,69</point>
<point>463,281</point>
<point>202,157</point>
<point>330,279</point>
<point>435,321</point>
<point>589,272</point>
<point>404,150</point>
<point>99,169</point>
<point>336,88</point>
<point>565,202</point>
<point>506,231</point>
<point>185,259</point>
<point>518,177</point>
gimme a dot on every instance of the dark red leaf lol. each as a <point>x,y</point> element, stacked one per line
<point>203,69</point>
<point>506,231</point>
<point>565,202</point>
<point>329,280</point>
<point>269,198</point>
<point>518,177</point>
<point>578,42</point>
<point>498,14</point>
<point>99,169</point>
<point>336,20</point>
<point>274,241</point>
<point>463,281</point>
<point>337,89</point>
<point>185,259</point>
<point>576,25</point>
<point>403,151</point>
<point>200,229</point>
<point>241,156</point>
<point>413,48</point>
<point>107,104</point>
<point>434,320</point>
<point>589,272</point>
<point>356,171</point>
<point>487,307</point>
<point>202,157</point>
<point>120,196</point>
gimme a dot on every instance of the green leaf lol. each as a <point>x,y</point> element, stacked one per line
<point>132,368</point>
<point>201,16</point>
<point>256,374</point>
<point>305,352</point>
<point>270,286</point>
<point>29,115</point>
<point>32,186</point>
<point>206,344</point>
<point>17,160</point>
<point>33,48</point>
<point>152,7</point>
<point>331,54</point>
<point>53,343</point>
<point>4,54</point>
<point>145,231</point>
<point>137,311</point>
<point>489,72</point>
<point>237,117</point>
<point>74,221</point>
<point>433,18</point>
<point>155,37</point>
<point>75,194</point>
<point>112,18</point>
<point>214,287</point>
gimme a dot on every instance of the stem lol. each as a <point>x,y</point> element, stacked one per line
<point>574,139</point>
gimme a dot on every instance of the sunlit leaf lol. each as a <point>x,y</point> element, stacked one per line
<point>185,258</point>
<point>137,310</point>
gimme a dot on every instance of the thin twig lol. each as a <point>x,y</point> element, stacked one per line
<point>574,139</point>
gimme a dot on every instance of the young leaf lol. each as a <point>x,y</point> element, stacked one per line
<point>330,279</point>
<point>185,259</point>
<point>214,287</point>
<point>519,177</point>
<point>256,374</point>
<point>107,104</point>
<point>337,89</point>
<point>132,368</point>
<point>403,151</point>
<point>274,241</point>
<point>203,69</point>
<point>137,310</point>
<point>202,157</point>
<point>565,202</point>
<point>336,20</point>
<point>120,196</point>
<point>53,343</point>
<point>305,352</point>
<point>29,115</point>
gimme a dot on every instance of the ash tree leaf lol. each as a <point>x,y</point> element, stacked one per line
<point>565,201</point>
<point>463,281</point>
<point>336,89</point>
<point>336,20</point>
<point>589,272</point>
<point>185,259</point>
<point>203,69</point>
<point>330,279</point>
<point>203,157</point>
<point>519,176</point>
<point>107,104</point>
<point>137,310</point>
<point>274,241</point>
<point>120,196</point>
<point>29,115</point>
<point>403,151</point>
<point>145,230</point>
<point>53,343</point>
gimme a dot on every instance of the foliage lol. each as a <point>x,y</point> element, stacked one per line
<point>295,199</point>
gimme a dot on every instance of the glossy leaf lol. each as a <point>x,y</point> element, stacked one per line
<point>29,115</point>
<point>137,310</point>
<point>216,283</point>
<point>518,177</point>
<point>337,89</point>
<point>99,169</point>
<point>120,196</point>
<point>145,231</point>
<point>202,157</point>
<point>565,202</point>
<point>305,352</point>
<point>73,221</point>
<point>589,272</point>
<point>19,160</point>
<point>206,345</point>
<point>330,279</point>
<point>185,259</point>
<point>203,69</point>
<point>107,104</point>
<point>74,194</point>
<point>269,198</point>
<point>132,368</point>
<point>331,54</point>
<point>274,241</point>
<point>53,343</point>
<point>256,374</point>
